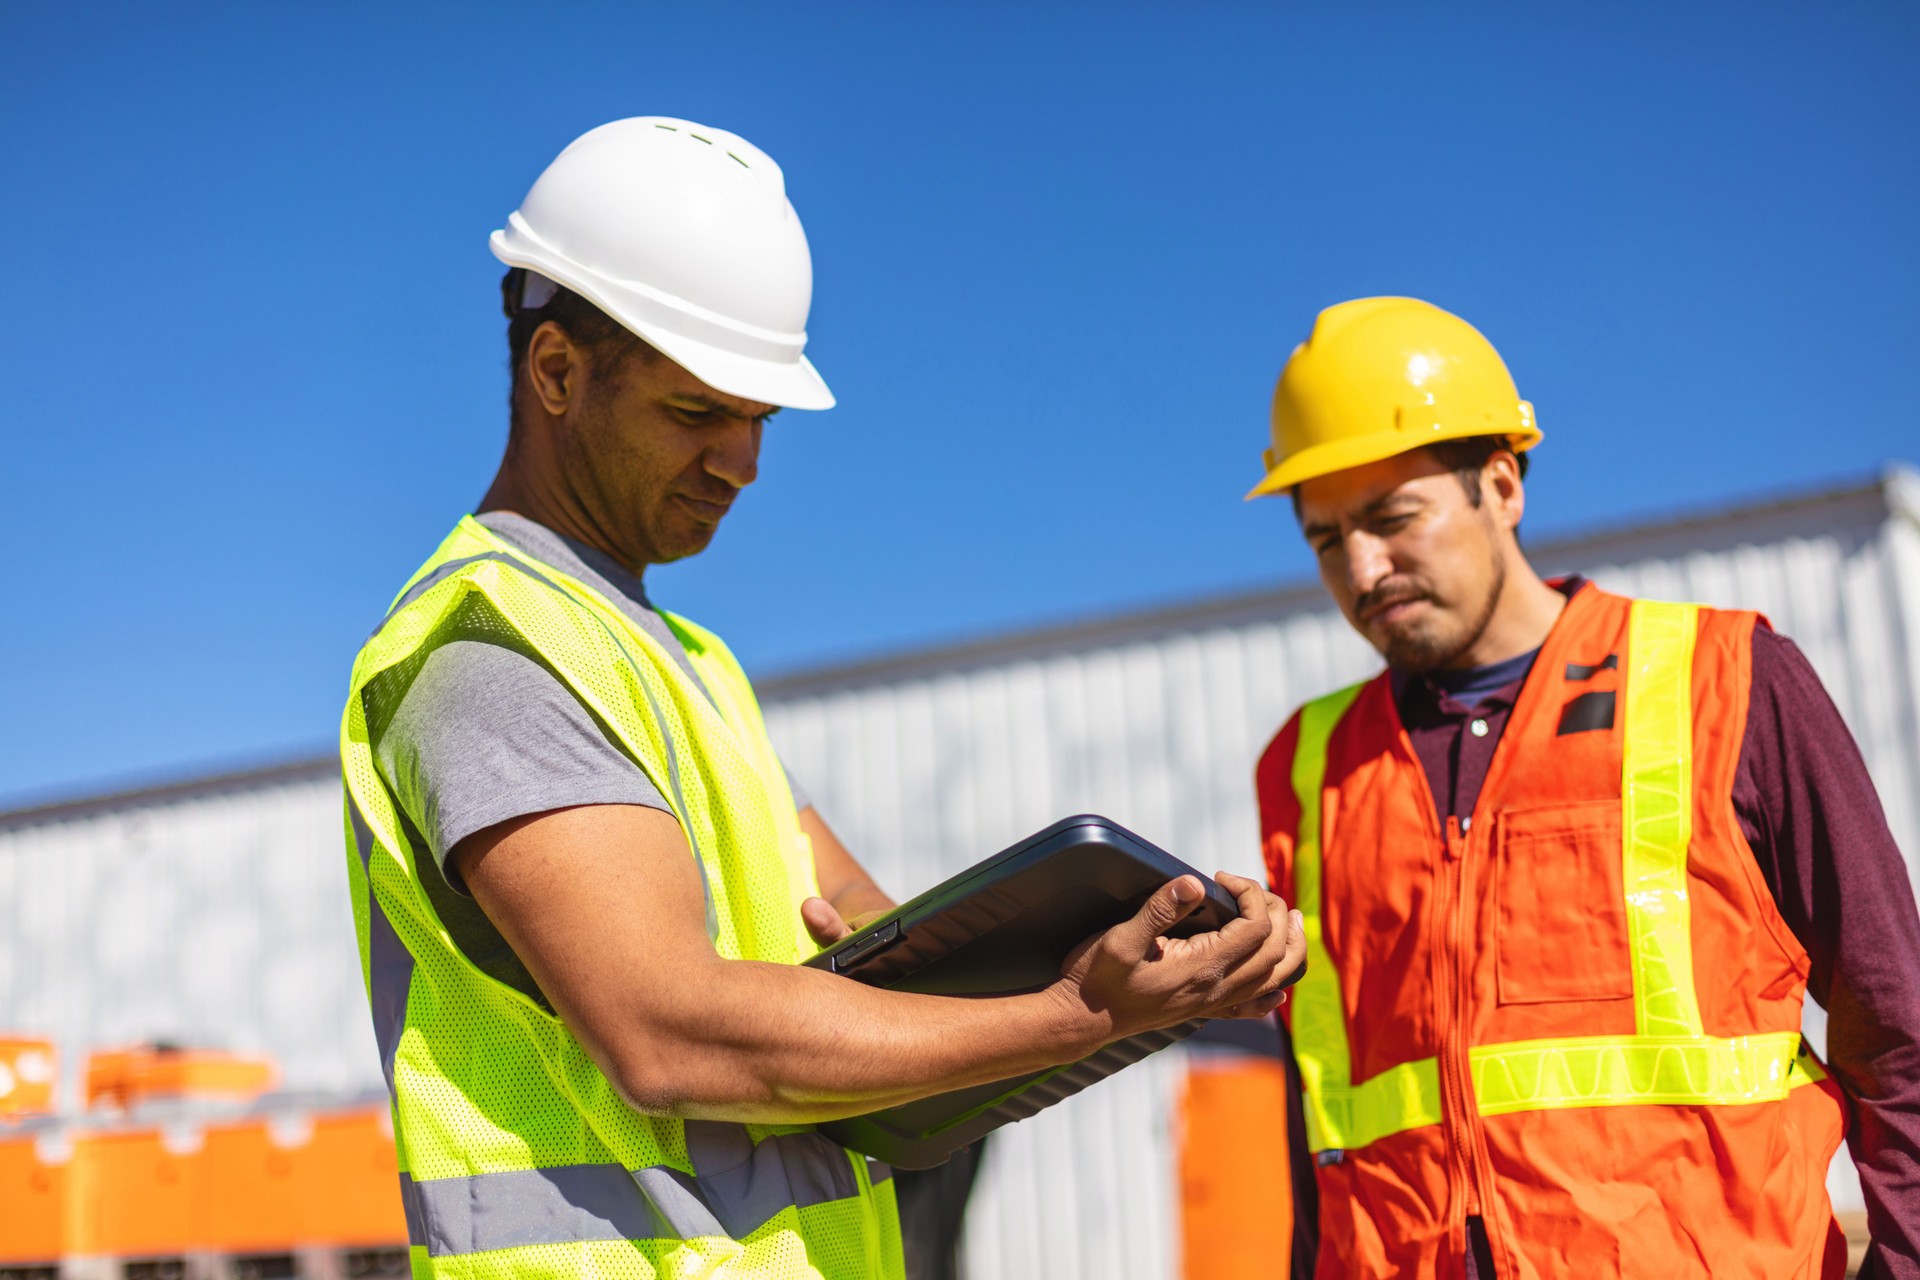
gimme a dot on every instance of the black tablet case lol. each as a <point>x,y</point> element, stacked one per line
<point>1006,925</point>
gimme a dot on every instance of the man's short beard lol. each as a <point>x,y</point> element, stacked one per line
<point>1417,654</point>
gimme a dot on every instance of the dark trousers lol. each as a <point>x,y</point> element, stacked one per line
<point>933,1205</point>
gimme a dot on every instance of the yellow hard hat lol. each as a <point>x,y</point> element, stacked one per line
<point>1382,376</point>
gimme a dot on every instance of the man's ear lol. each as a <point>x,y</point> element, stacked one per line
<point>556,368</point>
<point>1502,490</point>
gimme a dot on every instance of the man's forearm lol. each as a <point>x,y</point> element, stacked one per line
<point>604,906</point>
<point>786,1044</point>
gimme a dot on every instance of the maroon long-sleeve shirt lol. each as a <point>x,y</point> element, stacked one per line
<point>1810,812</point>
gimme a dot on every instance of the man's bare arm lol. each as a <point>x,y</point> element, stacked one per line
<point>603,904</point>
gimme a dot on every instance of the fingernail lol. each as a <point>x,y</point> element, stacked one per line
<point>1298,919</point>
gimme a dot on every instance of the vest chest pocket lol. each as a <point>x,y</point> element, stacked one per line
<point>1561,920</point>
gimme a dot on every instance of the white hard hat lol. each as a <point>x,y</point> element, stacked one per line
<point>683,234</point>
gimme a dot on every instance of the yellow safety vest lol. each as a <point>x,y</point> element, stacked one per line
<point>517,1156</point>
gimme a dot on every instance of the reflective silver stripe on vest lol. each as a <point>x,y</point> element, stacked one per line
<point>389,963</point>
<point>745,1183</point>
<point>740,1188</point>
<point>567,1205</point>
<point>410,1206</point>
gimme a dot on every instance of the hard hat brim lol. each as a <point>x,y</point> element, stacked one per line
<point>791,386</point>
<point>1359,451</point>
<point>789,381</point>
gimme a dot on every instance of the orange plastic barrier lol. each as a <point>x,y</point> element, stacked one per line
<point>127,1194</point>
<point>1236,1199</point>
<point>33,1205</point>
<point>233,1188</point>
<point>124,1077</point>
<point>27,1076</point>
<point>357,1177</point>
<point>339,1186</point>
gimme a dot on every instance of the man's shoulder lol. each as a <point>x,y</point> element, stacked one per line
<point>464,545</point>
<point>694,637</point>
<point>1275,768</point>
<point>1781,669</point>
<point>1280,750</point>
<point>469,671</point>
<point>701,645</point>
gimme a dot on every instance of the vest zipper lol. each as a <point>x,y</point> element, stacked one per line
<point>1476,1166</point>
<point>1455,1078</point>
<point>1469,1168</point>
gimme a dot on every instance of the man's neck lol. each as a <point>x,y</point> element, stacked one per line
<point>510,491</point>
<point>1522,617</point>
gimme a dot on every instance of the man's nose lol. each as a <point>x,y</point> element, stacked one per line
<point>1368,562</point>
<point>735,456</point>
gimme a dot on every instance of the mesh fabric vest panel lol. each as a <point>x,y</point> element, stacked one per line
<point>518,1156</point>
<point>1577,1018</point>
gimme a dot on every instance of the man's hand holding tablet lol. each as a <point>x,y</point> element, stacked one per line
<point>1135,978</point>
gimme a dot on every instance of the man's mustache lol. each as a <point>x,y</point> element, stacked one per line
<point>1391,592</point>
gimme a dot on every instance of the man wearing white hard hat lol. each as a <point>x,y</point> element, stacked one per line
<point>582,878</point>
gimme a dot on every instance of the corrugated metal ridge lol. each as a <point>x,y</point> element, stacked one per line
<point>1901,483</point>
<point>1896,488</point>
<point>1863,506</point>
<point>307,769</point>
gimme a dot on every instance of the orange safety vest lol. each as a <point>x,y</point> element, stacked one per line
<point>1576,1015</point>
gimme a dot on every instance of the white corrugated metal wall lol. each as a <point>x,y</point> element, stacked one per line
<point>217,915</point>
<point>216,920</point>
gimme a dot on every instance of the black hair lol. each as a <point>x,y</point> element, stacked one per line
<point>1466,458</point>
<point>604,338</point>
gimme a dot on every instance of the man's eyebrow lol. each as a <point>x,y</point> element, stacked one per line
<point>693,399</point>
<point>1386,500</point>
<point>1320,528</point>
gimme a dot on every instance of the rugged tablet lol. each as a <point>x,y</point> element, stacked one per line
<point>1002,926</point>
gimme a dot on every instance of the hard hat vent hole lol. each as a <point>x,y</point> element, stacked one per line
<point>737,160</point>
<point>697,138</point>
<point>669,128</point>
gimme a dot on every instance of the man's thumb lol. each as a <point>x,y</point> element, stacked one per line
<point>1171,903</point>
<point>823,921</point>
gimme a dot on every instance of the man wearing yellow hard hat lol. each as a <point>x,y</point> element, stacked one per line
<point>1570,866</point>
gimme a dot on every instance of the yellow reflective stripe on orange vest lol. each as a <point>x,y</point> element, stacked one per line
<point>1615,1071</point>
<point>1319,1021</point>
<point>1543,1075</point>
<point>1656,815</point>
<point>1670,1061</point>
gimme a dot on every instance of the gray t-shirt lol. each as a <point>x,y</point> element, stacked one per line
<point>485,732</point>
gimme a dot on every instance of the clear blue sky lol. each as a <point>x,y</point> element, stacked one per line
<point>253,364</point>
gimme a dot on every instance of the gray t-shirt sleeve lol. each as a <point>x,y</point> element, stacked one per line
<point>485,734</point>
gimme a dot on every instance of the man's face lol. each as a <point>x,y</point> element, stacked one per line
<point>1415,565</point>
<point>657,457</point>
